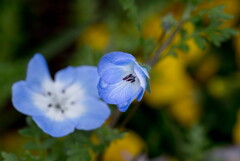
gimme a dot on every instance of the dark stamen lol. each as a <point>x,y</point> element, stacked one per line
<point>49,105</point>
<point>62,111</point>
<point>63,91</point>
<point>57,106</point>
<point>72,103</point>
<point>129,78</point>
<point>49,93</point>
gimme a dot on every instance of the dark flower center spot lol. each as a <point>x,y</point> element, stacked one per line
<point>58,106</point>
<point>130,78</point>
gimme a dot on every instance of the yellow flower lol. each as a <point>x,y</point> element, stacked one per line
<point>207,68</point>
<point>236,130</point>
<point>152,27</point>
<point>169,81</point>
<point>186,111</point>
<point>194,53</point>
<point>96,36</point>
<point>217,87</point>
<point>124,149</point>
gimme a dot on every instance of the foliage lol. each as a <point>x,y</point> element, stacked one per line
<point>200,71</point>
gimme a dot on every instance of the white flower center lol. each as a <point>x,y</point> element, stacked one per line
<point>60,102</point>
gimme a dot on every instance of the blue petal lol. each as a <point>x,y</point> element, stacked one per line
<point>114,58</point>
<point>66,76</point>
<point>113,75</point>
<point>140,95</point>
<point>88,78</point>
<point>55,128</point>
<point>37,73</point>
<point>96,113</point>
<point>117,93</point>
<point>141,75</point>
<point>22,99</point>
<point>124,106</point>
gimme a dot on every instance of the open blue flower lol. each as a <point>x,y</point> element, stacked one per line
<point>61,105</point>
<point>122,79</point>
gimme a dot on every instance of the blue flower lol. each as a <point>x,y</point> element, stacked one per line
<point>122,79</point>
<point>61,105</point>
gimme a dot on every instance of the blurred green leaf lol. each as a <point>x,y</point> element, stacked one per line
<point>9,157</point>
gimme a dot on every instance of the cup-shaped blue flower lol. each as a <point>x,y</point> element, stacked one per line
<point>64,104</point>
<point>122,79</point>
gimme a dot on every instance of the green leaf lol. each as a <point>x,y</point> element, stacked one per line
<point>201,42</point>
<point>105,136</point>
<point>9,157</point>
<point>131,8</point>
<point>184,47</point>
<point>148,88</point>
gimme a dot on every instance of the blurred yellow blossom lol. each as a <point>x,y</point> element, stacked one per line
<point>207,68</point>
<point>96,36</point>
<point>152,27</point>
<point>186,111</point>
<point>124,149</point>
<point>194,53</point>
<point>217,87</point>
<point>236,130</point>
<point>169,81</point>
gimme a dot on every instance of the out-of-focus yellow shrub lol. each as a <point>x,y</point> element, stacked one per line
<point>207,68</point>
<point>195,53</point>
<point>169,82</point>
<point>152,27</point>
<point>124,149</point>
<point>96,36</point>
<point>217,87</point>
<point>236,130</point>
<point>231,7</point>
<point>186,111</point>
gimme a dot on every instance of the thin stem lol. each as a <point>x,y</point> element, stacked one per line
<point>115,117</point>
<point>130,115</point>
<point>154,59</point>
<point>158,53</point>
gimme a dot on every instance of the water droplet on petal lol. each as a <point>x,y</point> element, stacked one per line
<point>103,84</point>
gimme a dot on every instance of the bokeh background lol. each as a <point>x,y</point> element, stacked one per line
<point>193,110</point>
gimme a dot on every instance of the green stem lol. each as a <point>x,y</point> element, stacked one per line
<point>130,115</point>
<point>155,58</point>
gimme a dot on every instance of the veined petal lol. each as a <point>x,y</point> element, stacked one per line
<point>53,127</point>
<point>140,95</point>
<point>66,76</point>
<point>95,114</point>
<point>37,73</point>
<point>22,98</point>
<point>114,58</point>
<point>114,75</point>
<point>124,106</point>
<point>141,76</point>
<point>119,92</point>
<point>88,78</point>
